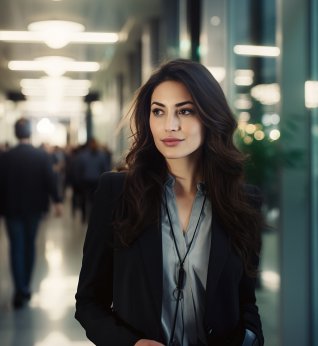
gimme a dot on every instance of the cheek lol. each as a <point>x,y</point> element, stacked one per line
<point>197,132</point>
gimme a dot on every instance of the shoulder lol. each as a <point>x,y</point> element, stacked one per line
<point>112,180</point>
<point>28,149</point>
<point>113,177</point>
<point>39,156</point>
<point>109,190</point>
<point>39,152</point>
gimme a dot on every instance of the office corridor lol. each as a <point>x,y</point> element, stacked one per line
<point>49,318</point>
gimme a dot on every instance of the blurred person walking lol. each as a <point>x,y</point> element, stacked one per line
<point>26,184</point>
<point>90,163</point>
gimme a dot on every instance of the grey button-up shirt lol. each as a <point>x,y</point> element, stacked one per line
<point>189,326</point>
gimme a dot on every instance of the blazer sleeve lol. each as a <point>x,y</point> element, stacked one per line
<point>251,318</point>
<point>249,307</point>
<point>95,287</point>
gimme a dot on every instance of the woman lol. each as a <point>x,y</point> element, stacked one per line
<point>171,251</point>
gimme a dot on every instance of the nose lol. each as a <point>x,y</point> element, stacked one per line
<point>172,122</point>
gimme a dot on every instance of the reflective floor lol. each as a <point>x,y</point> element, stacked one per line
<point>49,318</point>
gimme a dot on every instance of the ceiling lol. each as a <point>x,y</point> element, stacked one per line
<point>96,15</point>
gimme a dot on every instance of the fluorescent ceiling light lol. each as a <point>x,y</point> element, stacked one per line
<point>57,34</point>
<point>65,81</point>
<point>54,65</point>
<point>95,37</point>
<point>56,26</point>
<point>48,85</point>
<point>42,92</point>
<point>265,51</point>
<point>73,107</point>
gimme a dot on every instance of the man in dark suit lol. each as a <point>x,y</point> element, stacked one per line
<point>26,185</point>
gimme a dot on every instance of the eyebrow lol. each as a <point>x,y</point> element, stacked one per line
<point>180,104</point>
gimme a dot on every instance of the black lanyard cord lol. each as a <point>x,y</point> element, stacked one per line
<point>181,271</point>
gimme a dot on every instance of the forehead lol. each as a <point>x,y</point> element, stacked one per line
<point>171,90</point>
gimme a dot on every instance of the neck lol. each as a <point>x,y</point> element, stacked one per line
<point>187,175</point>
<point>24,141</point>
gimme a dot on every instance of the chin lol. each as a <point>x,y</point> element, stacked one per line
<point>174,156</point>
<point>179,156</point>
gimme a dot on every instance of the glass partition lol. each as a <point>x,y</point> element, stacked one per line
<point>255,98</point>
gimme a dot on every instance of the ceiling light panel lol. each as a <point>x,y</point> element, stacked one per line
<point>57,34</point>
<point>47,85</point>
<point>54,66</point>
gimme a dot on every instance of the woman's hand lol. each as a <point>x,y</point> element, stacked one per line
<point>146,342</point>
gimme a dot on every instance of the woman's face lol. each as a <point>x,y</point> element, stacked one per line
<point>174,122</point>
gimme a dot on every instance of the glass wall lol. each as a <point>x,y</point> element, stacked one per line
<point>254,94</point>
<point>267,53</point>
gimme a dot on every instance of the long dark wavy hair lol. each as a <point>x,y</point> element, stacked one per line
<point>222,164</point>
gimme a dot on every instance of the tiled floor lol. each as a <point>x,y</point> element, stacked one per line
<point>49,321</point>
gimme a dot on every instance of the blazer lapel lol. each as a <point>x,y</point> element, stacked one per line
<point>219,253</point>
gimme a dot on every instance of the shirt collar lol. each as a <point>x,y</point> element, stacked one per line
<point>171,180</point>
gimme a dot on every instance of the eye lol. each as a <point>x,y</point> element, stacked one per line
<point>157,112</point>
<point>186,111</point>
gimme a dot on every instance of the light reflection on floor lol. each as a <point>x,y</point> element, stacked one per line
<point>56,296</point>
<point>58,339</point>
<point>56,293</point>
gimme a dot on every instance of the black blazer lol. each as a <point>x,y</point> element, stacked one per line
<point>26,181</point>
<point>120,289</point>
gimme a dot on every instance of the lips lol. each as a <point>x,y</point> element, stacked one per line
<point>171,141</point>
